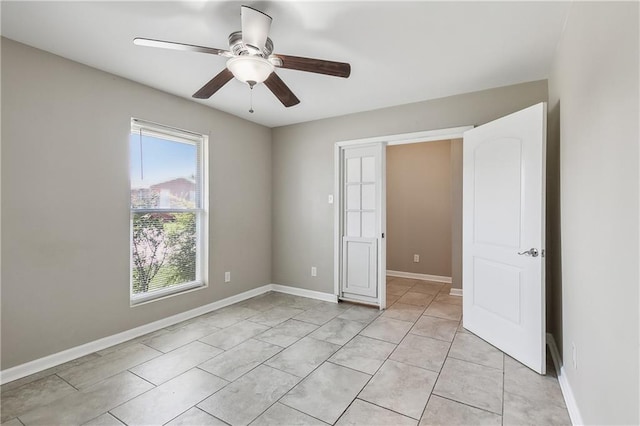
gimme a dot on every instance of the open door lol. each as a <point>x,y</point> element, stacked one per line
<point>361,211</point>
<point>503,234</point>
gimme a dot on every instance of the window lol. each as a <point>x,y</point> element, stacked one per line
<point>168,240</point>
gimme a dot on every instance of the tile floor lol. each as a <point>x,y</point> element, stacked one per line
<point>278,359</point>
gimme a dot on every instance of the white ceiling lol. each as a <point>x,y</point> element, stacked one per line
<point>400,52</point>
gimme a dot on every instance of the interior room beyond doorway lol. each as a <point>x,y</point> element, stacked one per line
<point>424,211</point>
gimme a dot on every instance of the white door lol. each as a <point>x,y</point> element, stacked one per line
<point>361,223</point>
<point>503,234</point>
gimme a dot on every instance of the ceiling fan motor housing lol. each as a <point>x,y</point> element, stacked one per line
<point>239,48</point>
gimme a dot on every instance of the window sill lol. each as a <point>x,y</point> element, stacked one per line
<point>141,299</point>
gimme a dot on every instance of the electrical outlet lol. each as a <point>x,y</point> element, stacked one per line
<point>330,198</point>
<point>416,258</point>
<point>227,277</point>
<point>574,356</point>
<point>314,271</point>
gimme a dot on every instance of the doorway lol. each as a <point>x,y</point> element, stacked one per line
<point>503,227</point>
<point>424,212</point>
<point>366,268</point>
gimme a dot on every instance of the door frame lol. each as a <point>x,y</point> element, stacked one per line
<point>383,141</point>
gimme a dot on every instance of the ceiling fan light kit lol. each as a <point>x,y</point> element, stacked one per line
<point>251,60</point>
<point>250,69</point>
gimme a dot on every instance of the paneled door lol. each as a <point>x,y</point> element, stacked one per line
<point>503,234</point>
<point>361,222</point>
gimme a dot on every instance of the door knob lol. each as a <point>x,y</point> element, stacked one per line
<point>533,252</point>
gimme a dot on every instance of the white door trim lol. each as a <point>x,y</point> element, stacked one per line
<point>396,139</point>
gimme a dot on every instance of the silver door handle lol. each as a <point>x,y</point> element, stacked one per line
<point>533,252</point>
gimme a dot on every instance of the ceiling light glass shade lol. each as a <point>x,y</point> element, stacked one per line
<point>250,68</point>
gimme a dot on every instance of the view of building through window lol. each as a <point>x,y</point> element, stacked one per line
<point>166,210</point>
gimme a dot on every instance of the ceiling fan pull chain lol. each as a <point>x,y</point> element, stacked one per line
<point>251,96</point>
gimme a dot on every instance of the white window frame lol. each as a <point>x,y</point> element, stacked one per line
<point>202,241</point>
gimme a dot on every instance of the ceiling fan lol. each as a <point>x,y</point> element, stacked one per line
<point>251,59</point>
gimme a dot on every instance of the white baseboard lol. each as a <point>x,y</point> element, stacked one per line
<point>455,292</point>
<point>423,277</point>
<point>565,387</point>
<point>327,297</point>
<point>31,367</point>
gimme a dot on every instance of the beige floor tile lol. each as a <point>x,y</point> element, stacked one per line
<point>387,329</point>
<point>303,357</point>
<point>245,399</point>
<point>403,312</point>
<point>401,388</point>
<point>228,316</point>
<point>363,354</point>
<point>261,303</point>
<point>32,395</point>
<point>446,289</point>
<point>522,381</point>
<point>233,335</point>
<point>361,313</point>
<point>327,392</point>
<point>79,408</point>
<point>318,316</point>
<point>287,333</point>
<point>415,298</point>
<point>471,384</point>
<point>461,329</point>
<point>403,282</point>
<point>275,316</point>
<point>332,375</point>
<point>362,413</point>
<point>423,352</point>
<point>338,331</point>
<point>393,290</point>
<point>519,410</point>
<point>243,358</point>
<point>12,422</point>
<point>195,417</point>
<point>392,299</point>
<point>469,347</point>
<point>442,411</point>
<point>427,287</point>
<point>180,336</point>
<point>436,328</point>
<point>303,303</point>
<point>139,339</point>
<point>279,415</point>
<point>104,420</point>
<point>91,372</point>
<point>167,401</point>
<point>444,310</point>
<point>45,373</point>
<point>176,362</point>
<point>447,298</point>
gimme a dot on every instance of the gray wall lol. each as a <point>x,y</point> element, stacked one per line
<point>65,202</point>
<point>303,170</point>
<point>594,93</point>
<point>419,207</point>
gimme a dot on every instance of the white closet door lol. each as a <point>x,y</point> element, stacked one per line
<point>361,218</point>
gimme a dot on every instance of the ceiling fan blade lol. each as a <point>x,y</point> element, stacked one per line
<point>281,90</point>
<point>255,27</point>
<point>178,46</point>
<point>319,66</point>
<point>214,84</point>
